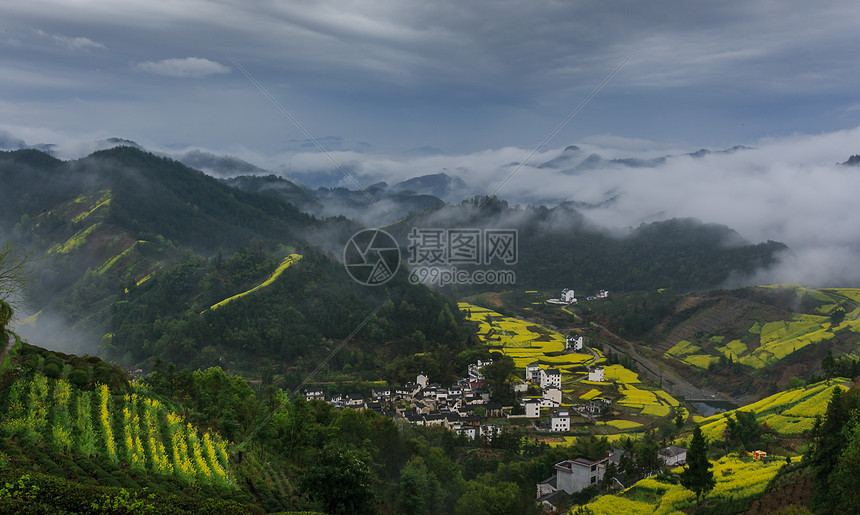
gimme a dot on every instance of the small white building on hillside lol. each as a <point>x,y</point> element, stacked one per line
<point>532,407</point>
<point>533,372</point>
<point>673,455</point>
<point>579,473</point>
<point>560,421</point>
<point>567,296</point>
<point>573,343</point>
<point>475,370</point>
<point>551,397</point>
<point>596,374</point>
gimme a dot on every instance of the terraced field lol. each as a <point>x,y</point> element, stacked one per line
<point>788,413</point>
<point>736,478</point>
<point>525,342</point>
<point>700,342</point>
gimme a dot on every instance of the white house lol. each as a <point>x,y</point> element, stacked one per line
<point>673,456</point>
<point>521,387</point>
<point>596,374</point>
<point>355,401</point>
<point>533,372</point>
<point>551,397</point>
<point>550,377</point>
<point>468,431</point>
<point>560,421</point>
<point>422,380</point>
<point>573,343</point>
<point>314,394</point>
<point>475,370</point>
<point>579,473</point>
<point>532,408</point>
<point>567,296</point>
<point>603,294</point>
<point>380,393</point>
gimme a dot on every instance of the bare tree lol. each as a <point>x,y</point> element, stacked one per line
<point>14,274</point>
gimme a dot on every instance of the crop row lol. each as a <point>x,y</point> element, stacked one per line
<point>788,413</point>
<point>132,429</point>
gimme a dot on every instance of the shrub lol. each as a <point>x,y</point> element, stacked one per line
<point>79,377</point>
<point>52,370</point>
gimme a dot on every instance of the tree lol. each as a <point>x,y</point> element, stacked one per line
<point>648,460</point>
<point>497,375</point>
<point>744,430</point>
<point>609,476</point>
<point>14,266</point>
<point>341,481</point>
<point>697,475</point>
<point>481,499</point>
<point>680,416</point>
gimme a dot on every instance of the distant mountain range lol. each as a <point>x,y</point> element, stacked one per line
<point>572,160</point>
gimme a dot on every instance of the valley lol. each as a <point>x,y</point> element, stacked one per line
<point>193,344</point>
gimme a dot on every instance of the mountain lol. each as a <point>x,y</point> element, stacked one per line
<point>572,162</point>
<point>131,239</point>
<point>560,247</point>
<point>439,185</point>
<point>138,249</point>
<point>219,166</point>
<point>852,161</point>
<point>369,206</point>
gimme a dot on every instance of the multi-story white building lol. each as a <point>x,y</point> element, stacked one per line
<point>579,473</point>
<point>550,377</point>
<point>533,372</point>
<point>551,397</point>
<point>560,421</point>
<point>567,296</point>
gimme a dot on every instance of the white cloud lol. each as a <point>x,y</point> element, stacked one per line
<point>72,43</point>
<point>189,67</point>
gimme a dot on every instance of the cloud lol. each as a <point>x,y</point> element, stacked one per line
<point>75,43</point>
<point>788,189</point>
<point>189,67</point>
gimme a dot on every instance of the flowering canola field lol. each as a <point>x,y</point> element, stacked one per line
<point>736,478</point>
<point>289,260</point>
<point>788,413</point>
<point>523,341</point>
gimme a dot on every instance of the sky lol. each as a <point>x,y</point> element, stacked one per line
<point>398,89</point>
<point>393,77</point>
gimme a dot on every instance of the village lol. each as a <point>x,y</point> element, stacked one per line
<point>463,408</point>
<point>466,409</point>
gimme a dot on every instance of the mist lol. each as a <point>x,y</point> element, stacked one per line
<point>791,189</point>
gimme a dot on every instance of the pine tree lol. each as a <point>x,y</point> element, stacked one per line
<point>697,475</point>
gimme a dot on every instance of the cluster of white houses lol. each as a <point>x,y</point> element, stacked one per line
<point>430,404</point>
<point>549,381</point>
